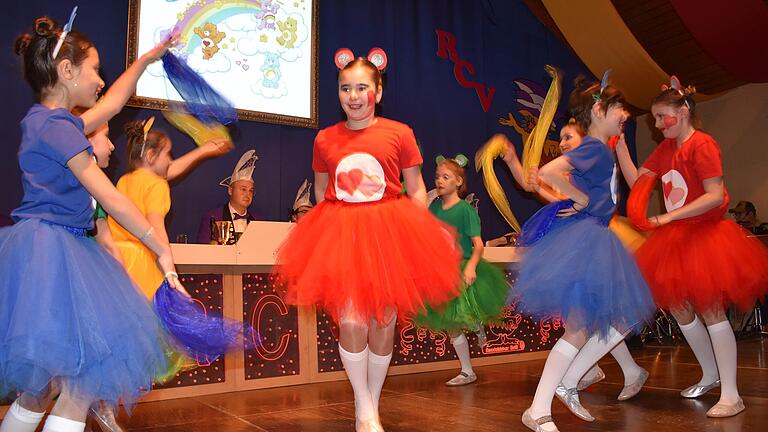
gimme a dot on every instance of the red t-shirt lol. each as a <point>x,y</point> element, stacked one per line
<point>684,170</point>
<point>364,165</point>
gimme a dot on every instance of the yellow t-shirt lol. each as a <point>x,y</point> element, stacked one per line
<point>150,194</point>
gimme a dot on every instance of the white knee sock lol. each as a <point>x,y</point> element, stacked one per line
<point>461,346</point>
<point>377,372</point>
<point>724,343</point>
<point>698,339</point>
<point>629,367</point>
<point>557,364</point>
<point>20,419</point>
<point>592,351</point>
<point>356,366</point>
<point>61,424</point>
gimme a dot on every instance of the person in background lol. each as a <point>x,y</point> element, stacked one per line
<point>240,190</point>
<point>302,204</point>
<point>745,214</point>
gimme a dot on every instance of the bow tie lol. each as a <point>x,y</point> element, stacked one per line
<point>236,216</point>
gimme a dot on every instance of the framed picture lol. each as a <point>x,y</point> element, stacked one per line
<point>259,54</point>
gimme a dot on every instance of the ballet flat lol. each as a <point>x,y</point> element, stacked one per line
<point>570,397</point>
<point>535,424</point>
<point>630,391</point>
<point>697,390</point>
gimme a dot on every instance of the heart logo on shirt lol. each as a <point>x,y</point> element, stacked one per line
<point>673,194</point>
<point>370,185</point>
<point>349,181</point>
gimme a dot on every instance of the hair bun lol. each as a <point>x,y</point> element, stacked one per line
<point>689,90</point>
<point>45,26</point>
<point>22,43</point>
<point>134,129</point>
<point>581,83</point>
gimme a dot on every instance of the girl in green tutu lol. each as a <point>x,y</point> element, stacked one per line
<point>485,289</point>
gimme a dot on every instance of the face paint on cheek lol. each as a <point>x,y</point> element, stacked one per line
<point>371,101</point>
<point>669,121</point>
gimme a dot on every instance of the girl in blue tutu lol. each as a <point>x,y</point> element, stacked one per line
<point>484,288</point>
<point>79,327</point>
<point>571,136</point>
<point>575,267</point>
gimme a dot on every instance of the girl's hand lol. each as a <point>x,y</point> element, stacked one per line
<point>160,49</point>
<point>660,220</point>
<point>572,210</point>
<point>509,154</point>
<point>469,274</point>
<point>218,146</point>
<point>532,182</point>
<point>622,143</point>
<point>165,262</point>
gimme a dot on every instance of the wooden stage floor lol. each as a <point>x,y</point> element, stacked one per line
<point>420,402</point>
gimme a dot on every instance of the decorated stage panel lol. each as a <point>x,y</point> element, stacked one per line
<point>275,329</point>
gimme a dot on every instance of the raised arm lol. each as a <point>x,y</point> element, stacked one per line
<point>181,166</point>
<point>115,98</point>
<point>513,162</point>
<point>628,168</point>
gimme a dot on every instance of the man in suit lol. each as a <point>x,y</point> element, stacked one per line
<point>240,190</point>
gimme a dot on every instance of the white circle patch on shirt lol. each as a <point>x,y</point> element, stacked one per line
<point>360,178</point>
<point>675,189</point>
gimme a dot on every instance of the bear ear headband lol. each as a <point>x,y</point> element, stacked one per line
<point>147,126</point>
<point>603,85</point>
<point>459,159</point>
<point>377,56</point>
<point>674,84</point>
<point>64,32</point>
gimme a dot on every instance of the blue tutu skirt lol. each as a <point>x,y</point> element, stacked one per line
<point>580,271</point>
<point>69,311</point>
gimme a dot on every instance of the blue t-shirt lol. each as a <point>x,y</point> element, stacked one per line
<point>49,139</point>
<point>594,173</point>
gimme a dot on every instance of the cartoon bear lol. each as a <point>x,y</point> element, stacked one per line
<point>211,38</point>
<point>271,71</point>
<point>288,30</point>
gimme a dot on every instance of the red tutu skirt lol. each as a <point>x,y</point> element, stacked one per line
<point>366,259</point>
<point>704,263</point>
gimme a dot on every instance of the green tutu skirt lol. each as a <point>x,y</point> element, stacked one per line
<point>481,302</point>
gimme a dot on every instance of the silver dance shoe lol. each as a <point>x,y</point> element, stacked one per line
<point>629,391</point>
<point>570,397</point>
<point>535,424</point>
<point>105,418</point>
<point>697,390</point>
<point>599,376</point>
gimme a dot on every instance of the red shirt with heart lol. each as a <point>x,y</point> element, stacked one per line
<point>364,165</point>
<point>683,171</point>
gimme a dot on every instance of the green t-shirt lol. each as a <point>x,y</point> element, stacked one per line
<point>99,213</point>
<point>461,216</point>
